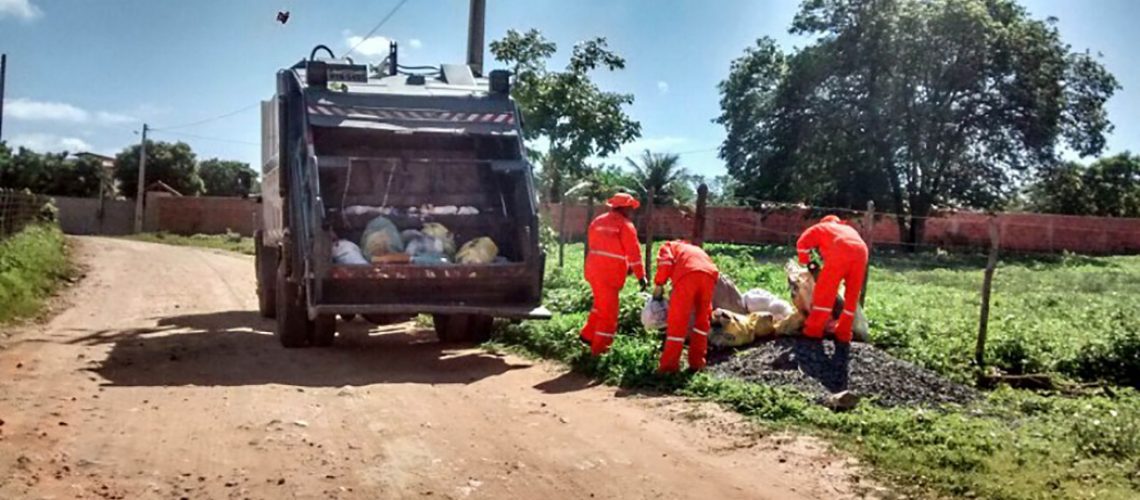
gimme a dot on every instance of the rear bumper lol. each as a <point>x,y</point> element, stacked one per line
<point>514,312</point>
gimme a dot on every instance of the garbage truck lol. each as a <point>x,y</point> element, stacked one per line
<point>356,157</point>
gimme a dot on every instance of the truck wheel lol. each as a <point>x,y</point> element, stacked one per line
<point>322,331</point>
<point>348,318</point>
<point>292,320</point>
<point>462,327</point>
<point>265,264</point>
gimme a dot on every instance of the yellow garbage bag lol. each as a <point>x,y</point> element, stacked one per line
<point>477,251</point>
<point>440,232</point>
<point>731,329</point>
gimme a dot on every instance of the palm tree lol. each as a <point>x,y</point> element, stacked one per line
<point>663,173</point>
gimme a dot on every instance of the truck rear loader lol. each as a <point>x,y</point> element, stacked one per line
<point>341,147</point>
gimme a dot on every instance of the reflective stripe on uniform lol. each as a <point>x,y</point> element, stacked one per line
<point>606,335</point>
<point>667,262</point>
<point>821,308</point>
<point>607,229</point>
<point>607,254</point>
<point>849,313</point>
<point>701,332</point>
<point>675,339</point>
<point>803,251</point>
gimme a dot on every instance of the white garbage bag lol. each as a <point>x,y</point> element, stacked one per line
<point>655,313</point>
<point>347,252</point>
<point>758,300</point>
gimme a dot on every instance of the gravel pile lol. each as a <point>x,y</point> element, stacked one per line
<point>821,369</point>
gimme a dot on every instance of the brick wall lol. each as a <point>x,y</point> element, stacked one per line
<point>1022,232</point>
<point>205,215</point>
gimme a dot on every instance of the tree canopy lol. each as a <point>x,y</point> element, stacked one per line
<point>566,108</point>
<point>663,173</point>
<point>227,178</point>
<point>50,173</point>
<point>172,163</point>
<point>1109,187</point>
<point>914,104</point>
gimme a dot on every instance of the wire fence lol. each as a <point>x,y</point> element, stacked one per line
<point>18,209</point>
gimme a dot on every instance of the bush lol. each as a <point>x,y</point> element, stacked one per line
<point>32,263</point>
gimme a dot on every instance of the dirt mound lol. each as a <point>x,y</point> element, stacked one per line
<point>820,369</point>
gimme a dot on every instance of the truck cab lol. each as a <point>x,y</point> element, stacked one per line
<point>345,151</point>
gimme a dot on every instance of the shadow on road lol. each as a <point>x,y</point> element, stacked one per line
<point>235,348</point>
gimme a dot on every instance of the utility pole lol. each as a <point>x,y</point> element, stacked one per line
<point>3,75</point>
<point>475,23</point>
<point>140,194</point>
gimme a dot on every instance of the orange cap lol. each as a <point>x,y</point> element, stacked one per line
<point>830,218</point>
<point>623,200</point>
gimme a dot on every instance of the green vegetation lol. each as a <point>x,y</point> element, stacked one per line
<point>230,241</point>
<point>1067,315</point>
<point>32,264</point>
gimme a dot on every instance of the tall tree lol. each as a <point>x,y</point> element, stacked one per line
<point>49,173</point>
<point>173,164</point>
<point>566,108</point>
<point>915,104</point>
<point>663,173</point>
<point>227,178</point>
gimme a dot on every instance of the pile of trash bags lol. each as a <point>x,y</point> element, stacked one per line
<point>740,319</point>
<point>432,244</point>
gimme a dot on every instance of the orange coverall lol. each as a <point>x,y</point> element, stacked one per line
<point>614,252</point>
<point>844,259</point>
<point>694,277</point>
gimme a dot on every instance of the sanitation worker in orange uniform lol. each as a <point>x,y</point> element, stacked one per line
<point>844,259</point>
<point>694,277</point>
<point>614,254</point>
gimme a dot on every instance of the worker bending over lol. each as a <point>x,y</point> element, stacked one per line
<point>694,277</point>
<point>844,259</point>
<point>614,254</point>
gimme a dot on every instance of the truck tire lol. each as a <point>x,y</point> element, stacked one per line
<point>293,323</point>
<point>462,327</point>
<point>322,331</point>
<point>265,264</point>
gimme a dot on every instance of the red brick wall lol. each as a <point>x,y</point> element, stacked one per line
<point>1022,232</point>
<point>206,215</point>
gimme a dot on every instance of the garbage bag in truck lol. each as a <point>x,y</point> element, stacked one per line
<point>477,251</point>
<point>381,238</point>
<point>440,232</point>
<point>416,243</point>
<point>347,252</point>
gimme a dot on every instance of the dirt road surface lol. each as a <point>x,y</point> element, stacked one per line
<point>161,381</point>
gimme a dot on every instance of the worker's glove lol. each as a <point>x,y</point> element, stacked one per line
<point>643,283</point>
<point>658,292</point>
<point>813,268</point>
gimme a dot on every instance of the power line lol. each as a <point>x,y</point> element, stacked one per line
<point>692,151</point>
<point>205,138</point>
<point>208,120</point>
<point>378,25</point>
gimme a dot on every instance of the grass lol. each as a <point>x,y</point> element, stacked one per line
<point>230,241</point>
<point>33,263</point>
<point>1067,315</point>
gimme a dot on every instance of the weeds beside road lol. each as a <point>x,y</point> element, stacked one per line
<point>32,264</point>
<point>231,241</point>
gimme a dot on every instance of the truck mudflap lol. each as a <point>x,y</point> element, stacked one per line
<point>513,312</point>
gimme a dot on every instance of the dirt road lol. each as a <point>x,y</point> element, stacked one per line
<point>161,381</point>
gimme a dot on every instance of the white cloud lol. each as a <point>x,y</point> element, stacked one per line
<point>662,87</point>
<point>113,118</point>
<point>48,111</point>
<point>50,143</point>
<point>415,43</point>
<point>20,9</point>
<point>27,109</point>
<point>373,46</point>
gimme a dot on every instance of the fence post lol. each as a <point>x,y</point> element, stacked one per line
<point>987,282</point>
<point>648,262</point>
<point>699,220</point>
<point>561,232</point>
<point>869,227</point>
<point>586,228</point>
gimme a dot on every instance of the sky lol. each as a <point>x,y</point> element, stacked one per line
<point>84,75</point>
